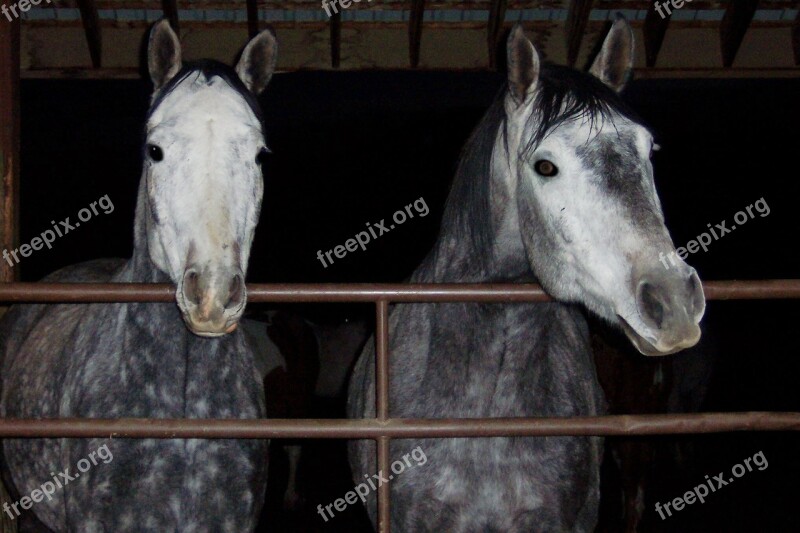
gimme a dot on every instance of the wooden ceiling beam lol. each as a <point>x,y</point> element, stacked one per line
<point>336,39</point>
<point>655,28</point>
<point>91,26</point>
<point>796,39</point>
<point>577,18</point>
<point>170,9</point>
<point>497,16</point>
<point>252,18</point>
<point>662,72</point>
<point>415,31</point>
<point>734,25</point>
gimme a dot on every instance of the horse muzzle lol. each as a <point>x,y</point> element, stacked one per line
<point>669,307</point>
<point>211,301</point>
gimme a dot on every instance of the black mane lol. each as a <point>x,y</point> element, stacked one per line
<point>564,94</point>
<point>210,69</point>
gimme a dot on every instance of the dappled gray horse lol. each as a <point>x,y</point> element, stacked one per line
<point>198,203</point>
<point>555,186</point>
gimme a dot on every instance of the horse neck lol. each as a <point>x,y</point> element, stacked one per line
<point>140,268</point>
<point>155,325</point>
<point>458,258</point>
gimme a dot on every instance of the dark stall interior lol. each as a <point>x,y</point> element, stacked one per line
<point>352,148</point>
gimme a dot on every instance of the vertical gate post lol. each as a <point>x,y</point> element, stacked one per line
<point>382,407</point>
<point>9,142</point>
<point>9,171</point>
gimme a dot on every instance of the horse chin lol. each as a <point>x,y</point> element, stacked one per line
<point>649,347</point>
<point>210,333</point>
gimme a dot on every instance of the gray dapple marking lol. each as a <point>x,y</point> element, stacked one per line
<point>554,186</point>
<point>198,202</point>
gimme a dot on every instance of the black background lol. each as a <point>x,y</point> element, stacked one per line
<point>351,148</point>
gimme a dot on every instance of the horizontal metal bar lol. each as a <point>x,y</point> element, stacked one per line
<point>401,428</point>
<point>361,292</point>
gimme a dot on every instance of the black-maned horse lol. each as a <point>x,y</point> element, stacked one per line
<point>555,186</point>
<point>198,203</point>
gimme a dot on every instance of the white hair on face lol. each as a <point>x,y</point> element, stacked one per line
<point>592,227</point>
<point>598,222</point>
<point>210,137</point>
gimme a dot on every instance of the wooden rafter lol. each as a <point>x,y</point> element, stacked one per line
<point>91,26</point>
<point>497,16</point>
<point>415,31</point>
<point>170,9</point>
<point>577,17</point>
<point>796,39</point>
<point>655,28</point>
<point>734,25</point>
<point>336,39</point>
<point>9,142</point>
<point>252,18</point>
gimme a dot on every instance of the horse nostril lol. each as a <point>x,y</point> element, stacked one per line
<point>191,287</point>
<point>698,299</point>
<point>651,304</point>
<point>235,292</point>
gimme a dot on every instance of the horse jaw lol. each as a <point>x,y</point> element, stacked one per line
<point>212,335</point>
<point>651,347</point>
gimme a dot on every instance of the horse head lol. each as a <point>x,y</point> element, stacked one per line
<point>203,178</point>
<point>578,167</point>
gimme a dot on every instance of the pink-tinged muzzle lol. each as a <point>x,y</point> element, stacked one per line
<point>212,300</point>
<point>669,307</point>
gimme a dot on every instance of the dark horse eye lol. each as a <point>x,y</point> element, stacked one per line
<point>261,157</point>
<point>155,153</point>
<point>545,168</point>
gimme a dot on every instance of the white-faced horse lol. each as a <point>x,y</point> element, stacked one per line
<point>198,204</point>
<point>554,186</point>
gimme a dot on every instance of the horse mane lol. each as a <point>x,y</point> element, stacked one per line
<point>210,69</point>
<point>564,94</point>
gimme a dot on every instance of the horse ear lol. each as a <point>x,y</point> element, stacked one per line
<point>163,54</point>
<point>614,64</point>
<point>258,61</point>
<point>523,65</point>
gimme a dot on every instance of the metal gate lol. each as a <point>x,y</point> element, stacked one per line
<point>383,428</point>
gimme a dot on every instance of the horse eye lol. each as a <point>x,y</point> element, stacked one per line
<point>155,153</point>
<point>545,168</point>
<point>261,157</point>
